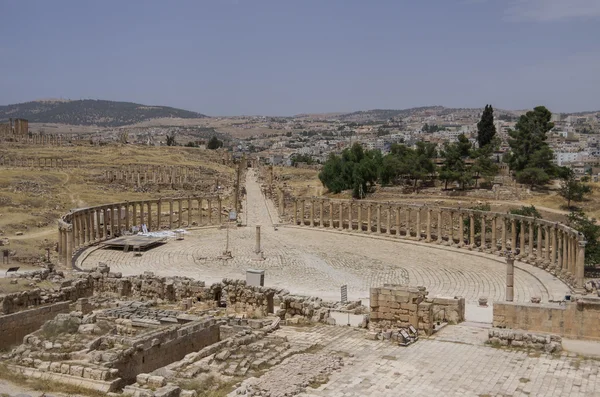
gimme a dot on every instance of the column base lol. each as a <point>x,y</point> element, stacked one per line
<point>259,257</point>
<point>225,255</point>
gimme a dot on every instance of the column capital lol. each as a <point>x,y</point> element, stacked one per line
<point>582,243</point>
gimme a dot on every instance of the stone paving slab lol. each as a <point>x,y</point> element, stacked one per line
<point>454,362</point>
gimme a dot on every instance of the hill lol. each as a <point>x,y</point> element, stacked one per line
<point>91,112</point>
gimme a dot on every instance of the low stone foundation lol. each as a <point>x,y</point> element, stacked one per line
<point>526,340</point>
<point>576,320</point>
<point>14,327</point>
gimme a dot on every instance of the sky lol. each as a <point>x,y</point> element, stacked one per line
<point>285,57</point>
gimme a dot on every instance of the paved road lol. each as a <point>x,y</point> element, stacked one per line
<point>317,262</point>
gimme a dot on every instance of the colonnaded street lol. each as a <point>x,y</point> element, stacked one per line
<point>318,261</point>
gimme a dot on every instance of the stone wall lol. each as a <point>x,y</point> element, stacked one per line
<point>70,291</point>
<point>394,306</point>
<point>397,306</point>
<point>449,310</point>
<point>163,347</point>
<point>576,320</point>
<point>14,327</point>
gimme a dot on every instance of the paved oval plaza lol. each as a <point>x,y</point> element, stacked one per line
<point>318,262</point>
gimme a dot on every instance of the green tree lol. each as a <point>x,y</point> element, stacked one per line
<point>486,130</point>
<point>171,140</point>
<point>591,232</point>
<point>530,157</point>
<point>355,169</point>
<point>455,168</point>
<point>484,165</point>
<point>214,143</point>
<point>571,189</point>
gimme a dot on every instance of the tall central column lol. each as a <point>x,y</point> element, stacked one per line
<point>513,235</point>
<point>579,273</point>
<point>295,212</point>
<point>482,243</point>
<point>378,218</point>
<point>510,278</point>
<point>503,234</point>
<point>312,213</point>
<point>189,212</point>
<point>180,214</point>
<point>302,203</point>
<point>369,210</point>
<point>359,216</point>
<point>494,242</point>
<point>407,234</point>
<point>341,225</point>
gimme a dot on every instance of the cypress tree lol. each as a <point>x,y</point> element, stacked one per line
<point>486,130</point>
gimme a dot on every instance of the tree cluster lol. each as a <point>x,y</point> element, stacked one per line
<point>214,143</point>
<point>530,157</point>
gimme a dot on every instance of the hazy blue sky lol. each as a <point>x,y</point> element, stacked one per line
<point>283,57</point>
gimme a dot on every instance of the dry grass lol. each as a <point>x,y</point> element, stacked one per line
<point>209,386</point>
<point>31,200</point>
<point>45,385</point>
<point>23,285</point>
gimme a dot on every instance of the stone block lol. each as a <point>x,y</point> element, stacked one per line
<point>168,391</point>
<point>64,368</point>
<point>156,381</point>
<point>76,370</point>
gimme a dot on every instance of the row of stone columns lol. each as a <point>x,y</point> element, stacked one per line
<point>90,225</point>
<point>553,246</point>
<point>39,162</point>
<point>140,178</point>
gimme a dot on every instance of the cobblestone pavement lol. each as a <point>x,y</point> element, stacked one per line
<point>317,262</point>
<point>454,362</point>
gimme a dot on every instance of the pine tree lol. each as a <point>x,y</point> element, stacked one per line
<point>530,157</point>
<point>486,130</point>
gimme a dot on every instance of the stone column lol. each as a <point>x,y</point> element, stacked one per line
<point>142,213</point>
<point>503,247</point>
<point>388,229</point>
<point>220,208</point>
<point>540,249</point>
<point>119,208</point>
<point>440,238</point>
<point>359,216</point>
<point>171,214</point>
<point>494,242</point>
<point>341,225</point>
<point>113,223</point>
<point>75,229</point>
<point>554,253</point>
<point>330,214</point>
<point>149,213</point>
<point>573,251</point>
<point>513,235</point>
<point>378,225</point>
<point>295,212</point>
<point>321,204</point>
<point>398,223</point>
<point>312,213</point>
<point>134,214</point>
<point>428,237</point>
<point>579,272</point>
<point>257,245</point>
<point>98,230</point>
<point>407,234</point>
<point>557,249</point>
<point>563,252</point>
<point>451,235</point>
<point>281,203</point>
<point>189,212</point>
<point>472,230</point>
<point>482,243</point>
<point>546,252</point>
<point>461,229</point>
<point>209,207</point>
<point>69,244</point>
<point>180,214</point>
<point>510,278</point>
<point>530,226</point>
<point>418,225</point>
<point>302,203</point>
<point>522,238</point>
<point>369,210</point>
